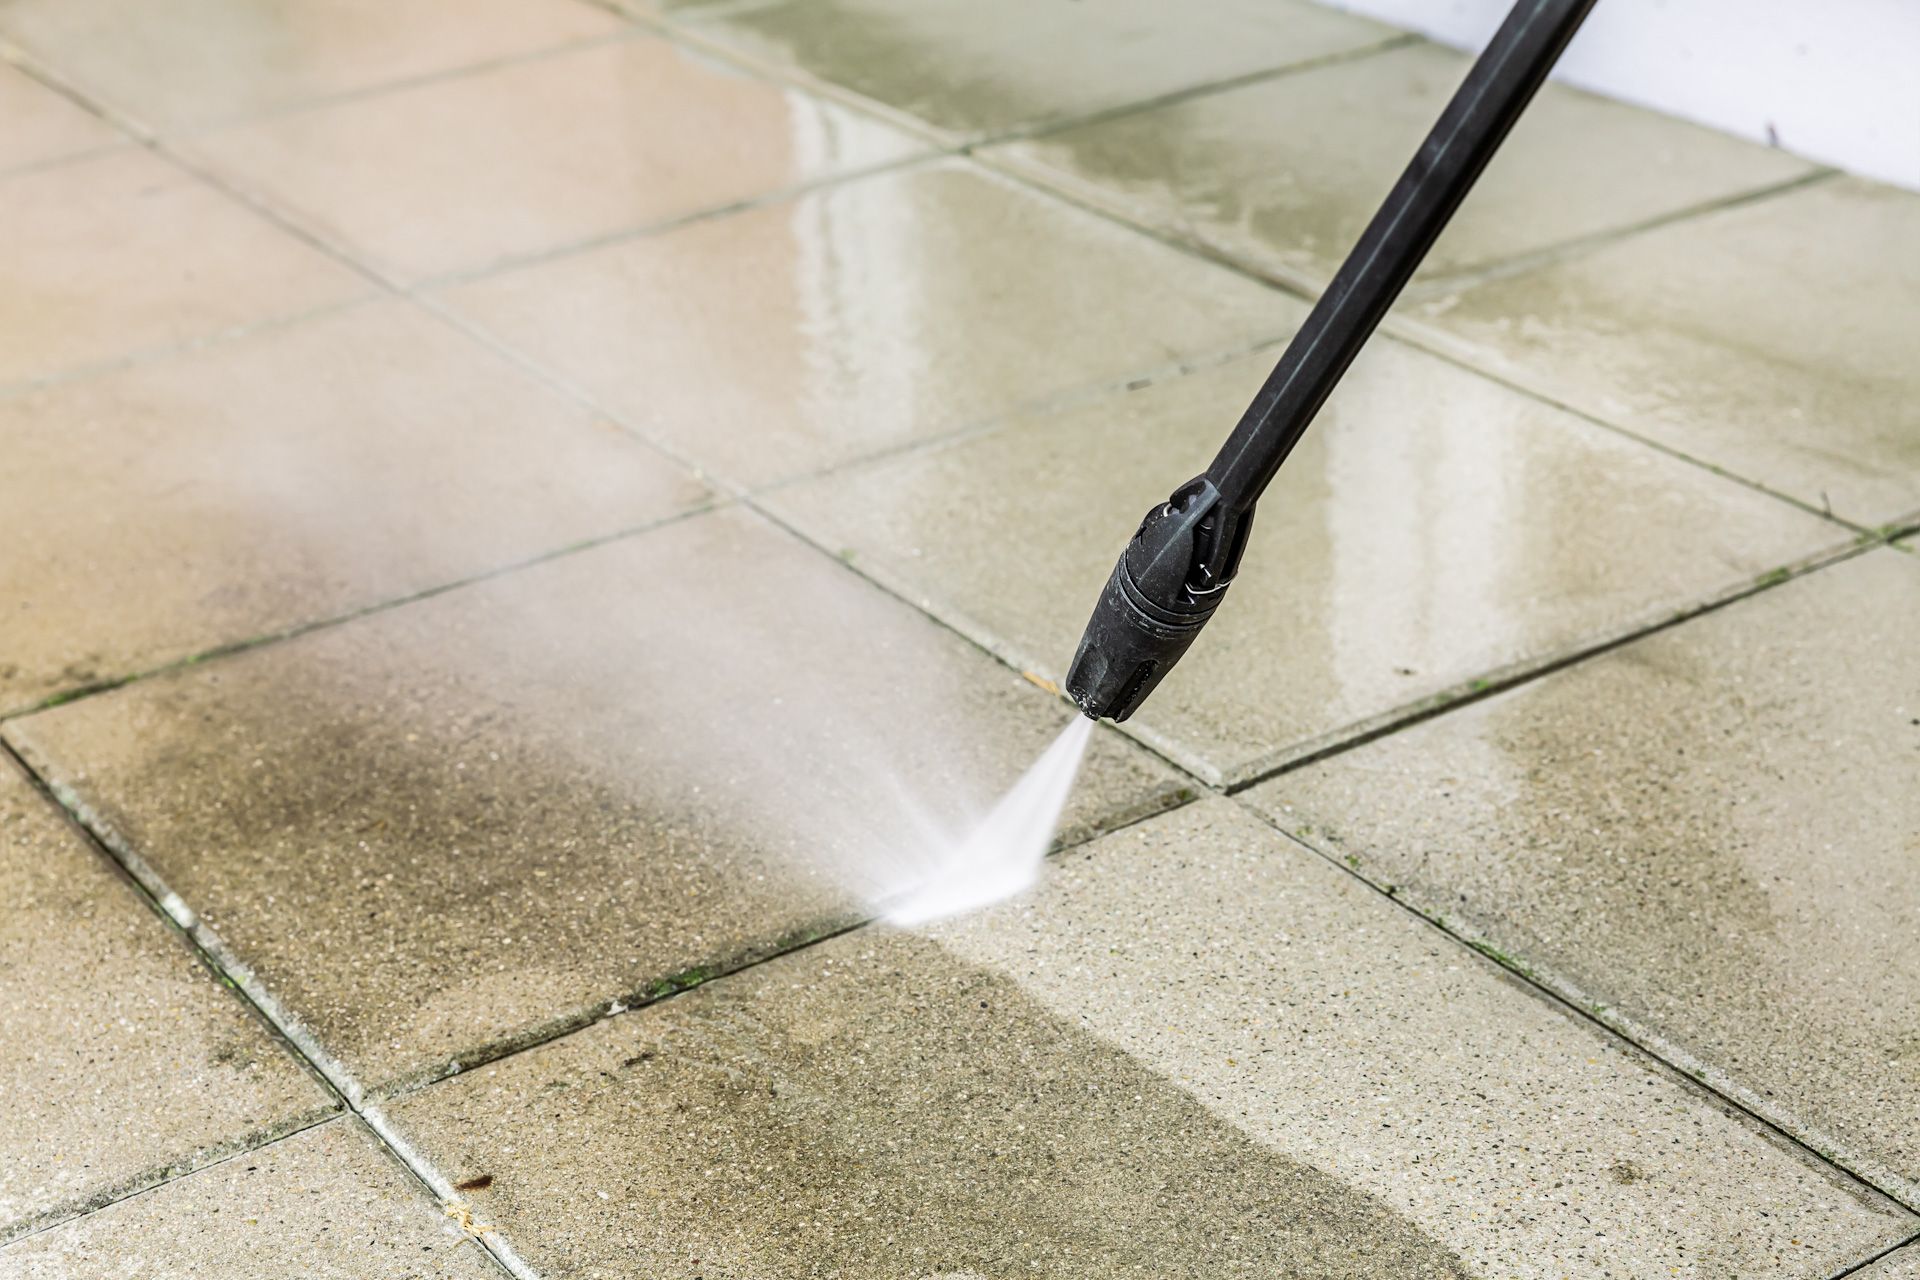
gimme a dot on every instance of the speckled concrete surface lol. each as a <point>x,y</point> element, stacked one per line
<point>1195,1050</point>
<point>1431,528</point>
<point>1236,171</point>
<point>1901,1264</point>
<point>326,1204</point>
<point>1709,832</point>
<point>862,318</point>
<point>447,826</point>
<point>124,1061</point>
<point>253,488</point>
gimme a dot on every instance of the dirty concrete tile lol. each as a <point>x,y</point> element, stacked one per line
<point>448,825</point>
<point>1237,171</point>
<point>1194,1050</point>
<point>124,252</point>
<point>124,1058</point>
<point>1711,834</point>
<point>191,62</point>
<point>463,174</point>
<point>43,125</point>
<point>1774,340</point>
<point>167,508</point>
<point>1901,1264</point>
<point>794,337</point>
<point>326,1204</point>
<point>974,67</point>
<point>1432,527</point>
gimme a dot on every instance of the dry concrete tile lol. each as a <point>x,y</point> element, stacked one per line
<point>42,125</point>
<point>800,335</point>
<point>326,1204</point>
<point>188,62</point>
<point>176,505</point>
<point>1240,172</point>
<point>1774,340</point>
<point>123,1058</point>
<point>1901,1264</point>
<point>450,825</point>
<point>1431,528</point>
<point>973,67</point>
<point>462,174</point>
<point>1712,834</point>
<point>107,256</point>
<point>1195,1050</point>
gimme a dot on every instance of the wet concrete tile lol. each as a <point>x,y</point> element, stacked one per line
<point>124,1058</point>
<point>190,62</point>
<point>173,506</point>
<point>125,252</point>
<point>462,174</point>
<point>1431,528</point>
<point>1240,172</point>
<point>328,1204</point>
<point>42,125</point>
<point>448,826</point>
<point>804,334</point>
<point>1774,340</point>
<point>974,67</point>
<point>1710,834</point>
<point>1195,1050</point>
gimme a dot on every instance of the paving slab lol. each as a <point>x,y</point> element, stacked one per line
<point>802,335</point>
<point>968,68</point>
<point>125,252</point>
<point>1195,1050</point>
<point>295,474</point>
<point>1901,1264</point>
<point>125,1060</point>
<point>1711,835</point>
<point>43,125</point>
<point>1681,334</point>
<point>1432,528</point>
<point>1240,172</point>
<point>465,173</point>
<point>328,1204</point>
<point>191,62</point>
<point>441,829</point>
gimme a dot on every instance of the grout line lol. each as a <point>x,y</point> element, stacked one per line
<point>1887,1252</point>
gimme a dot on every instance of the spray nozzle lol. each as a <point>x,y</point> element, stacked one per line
<point>1165,586</point>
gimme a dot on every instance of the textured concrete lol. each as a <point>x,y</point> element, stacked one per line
<point>1901,1264</point>
<point>42,125</point>
<point>801,335</point>
<point>446,826</point>
<point>1710,834</point>
<point>461,174</point>
<point>1239,172</point>
<point>1774,340</point>
<point>123,252</point>
<point>326,1204</point>
<point>1430,528</point>
<point>161,510</point>
<point>123,1060</point>
<point>1196,1050</point>
<point>973,67</point>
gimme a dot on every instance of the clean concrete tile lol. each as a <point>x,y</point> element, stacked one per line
<point>1902,1264</point>
<point>43,125</point>
<point>465,173</point>
<point>973,67</point>
<point>804,334</point>
<point>188,62</point>
<point>1195,1050</point>
<point>1284,174</point>
<point>177,505</point>
<point>124,1058</point>
<point>1774,340</point>
<point>1432,527</point>
<point>124,252</point>
<point>446,826</point>
<point>326,1204</point>
<point>1710,834</point>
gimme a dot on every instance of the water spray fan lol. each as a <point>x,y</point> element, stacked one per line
<point>1173,574</point>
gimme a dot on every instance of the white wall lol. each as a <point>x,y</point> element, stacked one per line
<point>1837,81</point>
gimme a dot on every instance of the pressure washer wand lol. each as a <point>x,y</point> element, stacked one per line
<point>1171,577</point>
